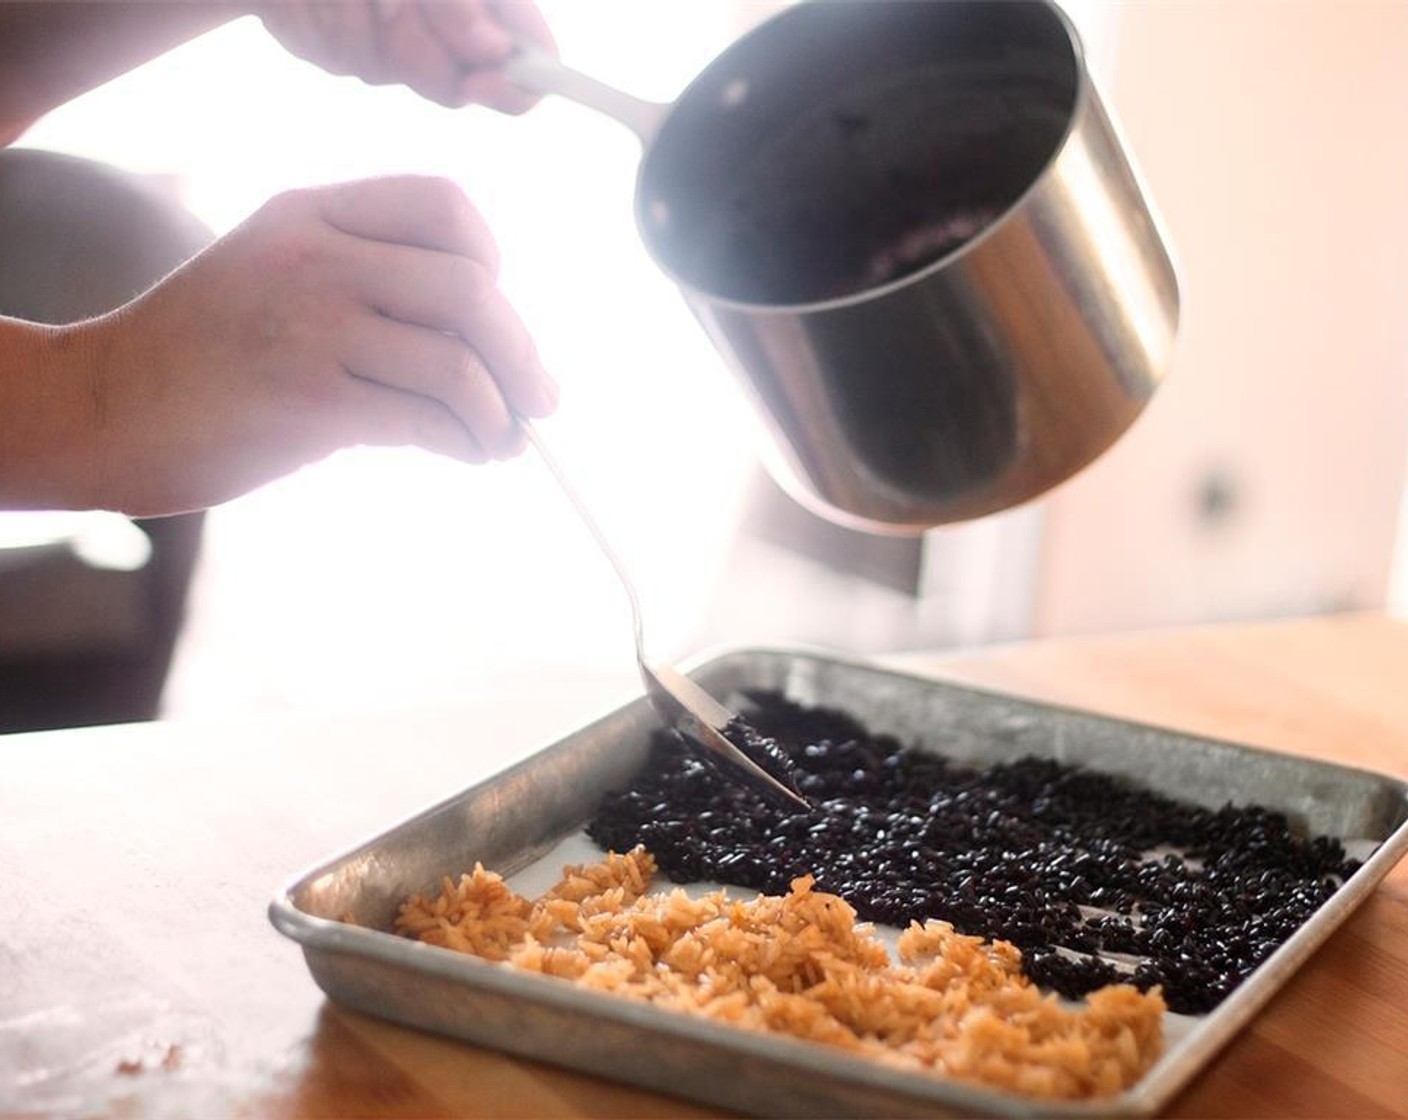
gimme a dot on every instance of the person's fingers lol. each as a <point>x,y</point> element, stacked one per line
<point>449,51</point>
<point>436,365</point>
<point>468,29</point>
<point>393,282</point>
<point>416,251</point>
<point>423,211</point>
<point>482,82</point>
<point>493,89</point>
<point>522,19</point>
<point>346,36</point>
<point>378,415</point>
<point>412,53</point>
<point>428,46</point>
<point>294,26</point>
<point>453,294</point>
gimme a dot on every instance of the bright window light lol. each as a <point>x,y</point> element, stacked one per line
<point>383,576</point>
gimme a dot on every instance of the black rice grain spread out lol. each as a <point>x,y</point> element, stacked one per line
<point>1079,870</point>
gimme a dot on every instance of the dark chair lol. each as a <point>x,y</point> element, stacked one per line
<point>81,644</point>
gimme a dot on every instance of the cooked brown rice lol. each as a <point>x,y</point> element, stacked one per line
<point>802,966</point>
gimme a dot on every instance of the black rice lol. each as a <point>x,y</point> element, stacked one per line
<point>1069,865</point>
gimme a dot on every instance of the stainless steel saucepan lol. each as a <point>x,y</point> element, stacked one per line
<point>913,231</point>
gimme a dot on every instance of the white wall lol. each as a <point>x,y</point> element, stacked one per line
<point>1266,477</point>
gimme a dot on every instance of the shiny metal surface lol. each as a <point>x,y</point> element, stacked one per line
<point>913,231</point>
<point>509,821</point>
<point>680,702</point>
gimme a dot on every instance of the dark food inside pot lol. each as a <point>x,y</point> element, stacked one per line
<point>924,244</point>
<point>851,144</point>
<point>859,193</point>
<point>1094,879</point>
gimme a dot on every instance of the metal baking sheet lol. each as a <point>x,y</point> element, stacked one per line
<point>512,821</point>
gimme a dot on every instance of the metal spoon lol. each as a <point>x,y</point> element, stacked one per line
<point>683,704</point>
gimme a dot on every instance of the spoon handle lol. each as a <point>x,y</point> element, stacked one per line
<point>565,483</point>
<point>537,71</point>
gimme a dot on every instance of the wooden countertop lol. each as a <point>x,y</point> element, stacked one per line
<point>139,975</point>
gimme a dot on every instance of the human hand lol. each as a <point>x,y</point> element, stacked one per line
<point>445,50</point>
<point>364,313</point>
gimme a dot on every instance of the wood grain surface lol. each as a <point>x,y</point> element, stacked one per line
<point>140,977</point>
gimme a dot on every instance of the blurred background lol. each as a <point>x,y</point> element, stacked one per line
<point>1265,480</point>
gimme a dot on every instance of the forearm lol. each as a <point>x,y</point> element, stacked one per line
<point>52,51</point>
<point>48,414</point>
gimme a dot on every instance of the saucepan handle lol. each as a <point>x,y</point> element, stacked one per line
<point>534,69</point>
